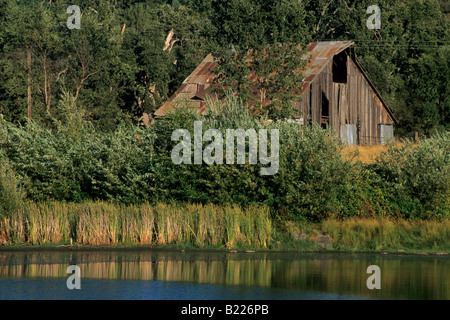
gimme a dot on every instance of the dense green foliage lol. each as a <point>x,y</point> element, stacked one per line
<point>130,56</point>
<point>314,181</point>
<point>85,163</point>
<point>11,194</point>
<point>418,176</point>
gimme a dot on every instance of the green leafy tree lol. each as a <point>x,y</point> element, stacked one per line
<point>162,44</point>
<point>32,51</point>
<point>262,45</point>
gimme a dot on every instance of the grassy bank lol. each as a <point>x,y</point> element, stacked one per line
<point>377,234</point>
<point>211,227</point>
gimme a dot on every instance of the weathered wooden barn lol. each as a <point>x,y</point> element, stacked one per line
<point>335,91</point>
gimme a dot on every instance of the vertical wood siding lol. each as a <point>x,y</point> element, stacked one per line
<point>354,102</point>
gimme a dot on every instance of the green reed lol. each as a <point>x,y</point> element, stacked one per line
<point>105,223</point>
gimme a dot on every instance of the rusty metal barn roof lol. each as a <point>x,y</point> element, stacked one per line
<point>198,82</point>
<point>318,55</point>
<point>204,73</point>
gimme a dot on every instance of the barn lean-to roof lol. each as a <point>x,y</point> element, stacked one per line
<point>318,55</point>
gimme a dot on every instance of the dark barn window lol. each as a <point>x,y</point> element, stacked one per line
<point>340,68</point>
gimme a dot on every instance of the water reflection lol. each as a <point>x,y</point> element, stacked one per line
<point>402,277</point>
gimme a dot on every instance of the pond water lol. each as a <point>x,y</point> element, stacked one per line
<point>170,275</point>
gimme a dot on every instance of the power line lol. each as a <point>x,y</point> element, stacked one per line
<point>385,40</point>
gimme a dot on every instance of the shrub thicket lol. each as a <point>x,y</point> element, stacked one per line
<point>89,165</point>
<point>11,194</point>
<point>418,176</point>
<point>314,180</point>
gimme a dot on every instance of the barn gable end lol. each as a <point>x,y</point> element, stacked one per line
<point>336,92</point>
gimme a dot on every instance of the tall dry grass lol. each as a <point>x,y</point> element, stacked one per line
<point>383,233</point>
<point>98,223</point>
<point>104,223</point>
<point>367,153</point>
<point>138,223</point>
